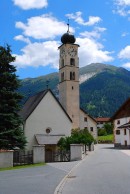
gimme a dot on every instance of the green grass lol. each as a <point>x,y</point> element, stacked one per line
<point>106,139</point>
<point>23,166</point>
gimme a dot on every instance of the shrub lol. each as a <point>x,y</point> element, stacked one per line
<point>77,137</point>
<point>109,128</point>
<point>102,132</point>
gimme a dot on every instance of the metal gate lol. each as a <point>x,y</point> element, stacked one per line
<point>22,157</point>
<point>57,156</point>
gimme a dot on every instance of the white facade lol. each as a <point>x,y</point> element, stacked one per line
<point>47,114</point>
<point>121,135</point>
<point>88,122</point>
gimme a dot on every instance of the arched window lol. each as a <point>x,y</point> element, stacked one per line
<point>72,75</point>
<point>62,76</point>
<point>62,62</point>
<point>72,61</point>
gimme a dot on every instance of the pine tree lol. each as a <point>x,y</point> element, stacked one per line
<point>11,133</point>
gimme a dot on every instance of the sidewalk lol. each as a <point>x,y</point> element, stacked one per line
<point>65,166</point>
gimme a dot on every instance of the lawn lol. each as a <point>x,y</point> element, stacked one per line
<point>106,139</point>
<point>23,166</point>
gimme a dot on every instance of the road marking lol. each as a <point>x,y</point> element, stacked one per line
<point>127,152</point>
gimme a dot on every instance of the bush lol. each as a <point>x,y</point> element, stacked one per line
<point>102,132</point>
<point>109,128</point>
<point>77,137</point>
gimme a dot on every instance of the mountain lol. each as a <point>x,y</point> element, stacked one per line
<point>103,88</point>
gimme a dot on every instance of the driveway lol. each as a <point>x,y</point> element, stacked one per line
<point>105,171</point>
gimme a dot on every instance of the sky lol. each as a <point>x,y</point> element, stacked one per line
<point>33,29</point>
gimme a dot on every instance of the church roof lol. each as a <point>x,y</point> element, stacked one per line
<point>68,38</point>
<point>33,101</point>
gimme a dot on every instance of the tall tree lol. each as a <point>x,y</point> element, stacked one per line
<point>11,133</point>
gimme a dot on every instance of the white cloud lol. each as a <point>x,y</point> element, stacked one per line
<point>126,65</point>
<point>46,53</point>
<point>43,27</point>
<point>96,33</point>
<point>91,51</point>
<point>22,38</point>
<point>78,18</point>
<point>122,7</point>
<point>123,2</point>
<point>30,4</point>
<point>124,53</point>
<point>38,54</point>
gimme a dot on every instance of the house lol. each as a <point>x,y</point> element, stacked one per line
<point>121,121</point>
<point>88,122</point>
<point>45,120</point>
<point>101,121</point>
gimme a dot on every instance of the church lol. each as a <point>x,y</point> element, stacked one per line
<point>46,119</point>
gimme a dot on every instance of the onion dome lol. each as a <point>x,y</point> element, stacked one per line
<point>68,38</point>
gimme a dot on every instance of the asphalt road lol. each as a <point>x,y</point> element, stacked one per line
<point>105,171</point>
<point>36,180</point>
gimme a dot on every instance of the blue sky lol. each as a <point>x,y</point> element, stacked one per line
<point>33,29</point>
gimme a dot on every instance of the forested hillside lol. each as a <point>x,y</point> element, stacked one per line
<point>102,91</point>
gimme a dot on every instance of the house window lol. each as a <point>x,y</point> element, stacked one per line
<point>85,119</point>
<point>91,129</point>
<point>117,132</point>
<point>124,131</point>
<point>72,61</point>
<point>118,122</point>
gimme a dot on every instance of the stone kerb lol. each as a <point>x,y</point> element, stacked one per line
<point>38,154</point>
<point>76,152</point>
<point>6,158</point>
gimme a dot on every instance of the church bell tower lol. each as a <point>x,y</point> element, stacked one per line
<point>69,77</point>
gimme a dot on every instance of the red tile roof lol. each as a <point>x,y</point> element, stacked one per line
<point>101,119</point>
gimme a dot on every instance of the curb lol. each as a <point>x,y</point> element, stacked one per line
<point>59,188</point>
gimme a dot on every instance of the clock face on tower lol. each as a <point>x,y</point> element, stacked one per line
<point>62,52</point>
<point>72,51</point>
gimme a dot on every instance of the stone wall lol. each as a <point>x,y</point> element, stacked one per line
<point>38,154</point>
<point>6,158</point>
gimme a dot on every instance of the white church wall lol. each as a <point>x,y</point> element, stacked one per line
<point>48,114</point>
